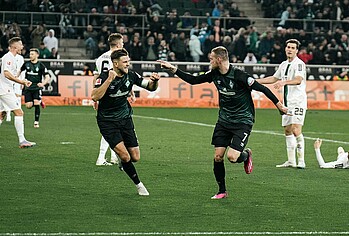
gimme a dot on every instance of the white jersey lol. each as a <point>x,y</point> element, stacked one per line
<point>341,162</point>
<point>9,63</point>
<point>103,62</point>
<point>18,87</point>
<point>294,95</point>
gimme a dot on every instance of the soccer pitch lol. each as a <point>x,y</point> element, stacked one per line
<point>56,189</point>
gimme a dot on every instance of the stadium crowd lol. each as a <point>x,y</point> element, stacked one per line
<point>174,36</point>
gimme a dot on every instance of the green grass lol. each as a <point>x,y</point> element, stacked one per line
<point>56,187</point>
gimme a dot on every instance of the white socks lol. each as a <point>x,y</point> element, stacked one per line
<point>300,148</point>
<point>291,144</point>
<point>103,149</point>
<point>19,125</point>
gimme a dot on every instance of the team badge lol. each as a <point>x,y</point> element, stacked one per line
<point>250,81</point>
<point>98,81</point>
<point>300,67</point>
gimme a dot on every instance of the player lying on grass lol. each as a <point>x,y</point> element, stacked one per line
<point>342,158</point>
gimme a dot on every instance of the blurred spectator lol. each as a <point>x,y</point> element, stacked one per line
<point>79,7</point>
<point>195,48</point>
<point>66,25</point>
<point>250,58</point>
<point>170,23</point>
<point>186,20</point>
<point>241,46</point>
<point>47,6</point>
<point>277,54</point>
<point>37,35</point>
<point>209,44</point>
<point>95,18</point>
<point>101,48</point>
<point>266,44</point>
<point>253,38</point>
<point>150,52</point>
<point>50,40</point>
<point>234,10</point>
<point>163,50</point>
<point>172,56</point>
<point>284,16</point>
<point>264,60</point>
<point>152,4</point>
<point>87,70</point>
<point>103,34</point>
<point>178,45</point>
<point>218,10</point>
<point>155,26</point>
<point>136,48</point>
<point>54,54</point>
<point>337,14</point>
<point>25,51</point>
<point>244,22</point>
<point>106,17</point>
<point>228,44</point>
<point>90,37</point>
<point>304,55</point>
<point>44,53</point>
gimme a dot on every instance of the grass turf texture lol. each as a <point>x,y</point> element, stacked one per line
<point>56,187</point>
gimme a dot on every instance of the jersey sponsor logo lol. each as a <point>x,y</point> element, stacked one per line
<point>98,81</point>
<point>119,94</point>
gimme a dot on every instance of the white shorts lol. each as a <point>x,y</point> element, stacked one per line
<point>17,88</point>
<point>10,102</point>
<point>298,116</point>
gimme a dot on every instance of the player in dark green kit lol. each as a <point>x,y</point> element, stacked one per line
<point>35,71</point>
<point>114,113</point>
<point>236,111</point>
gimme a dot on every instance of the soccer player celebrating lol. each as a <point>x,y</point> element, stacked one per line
<point>114,112</point>
<point>35,71</point>
<point>8,97</point>
<point>236,111</point>
<point>104,63</point>
<point>291,76</point>
<point>342,158</point>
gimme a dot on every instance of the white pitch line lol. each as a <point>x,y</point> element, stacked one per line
<point>254,131</point>
<point>180,233</point>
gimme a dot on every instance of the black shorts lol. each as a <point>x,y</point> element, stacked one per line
<point>235,136</point>
<point>31,95</point>
<point>115,132</point>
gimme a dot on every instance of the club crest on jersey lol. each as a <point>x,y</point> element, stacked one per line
<point>300,67</point>
<point>98,81</point>
<point>127,83</point>
<point>231,84</point>
<point>250,81</point>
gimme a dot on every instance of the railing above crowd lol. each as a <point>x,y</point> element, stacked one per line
<point>140,23</point>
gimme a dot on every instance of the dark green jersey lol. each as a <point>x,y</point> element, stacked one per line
<point>114,104</point>
<point>34,73</point>
<point>234,89</point>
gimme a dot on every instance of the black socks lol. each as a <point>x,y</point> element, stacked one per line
<point>219,173</point>
<point>130,170</point>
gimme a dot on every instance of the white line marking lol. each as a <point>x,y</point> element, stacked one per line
<point>66,143</point>
<point>254,131</point>
<point>180,233</point>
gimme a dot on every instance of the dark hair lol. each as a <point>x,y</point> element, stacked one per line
<point>118,53</point>
<point>34,50</point>
<point>295,41</point>
<point>14,40</point>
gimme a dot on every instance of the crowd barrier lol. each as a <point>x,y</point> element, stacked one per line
<point>68,86</point>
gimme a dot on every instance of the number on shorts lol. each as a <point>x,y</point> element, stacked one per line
<point>298,111</point>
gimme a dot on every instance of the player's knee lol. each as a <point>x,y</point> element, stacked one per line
<point>29,105</point>
<point>218,158</point>
<point>232,157</point>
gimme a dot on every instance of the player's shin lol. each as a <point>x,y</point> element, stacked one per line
<point>300,151</point>
<point>219,173</point>
<point>130,170</point>
<point>291,144</point>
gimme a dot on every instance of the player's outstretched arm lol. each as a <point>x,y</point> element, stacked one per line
<point>153,82</point>
<point>268,80</point>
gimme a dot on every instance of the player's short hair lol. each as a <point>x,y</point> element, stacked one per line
<point>14,40</point>
<point>221,52</point>
<point>117,54</point>
<point>114,39</point>
<point>295,41</point>
<point>34,50</point>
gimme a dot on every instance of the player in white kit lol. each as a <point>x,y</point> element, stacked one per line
<point>291,77</point>
<point>8,97</point>
<point>104,63</point>
<point>342,158</point>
